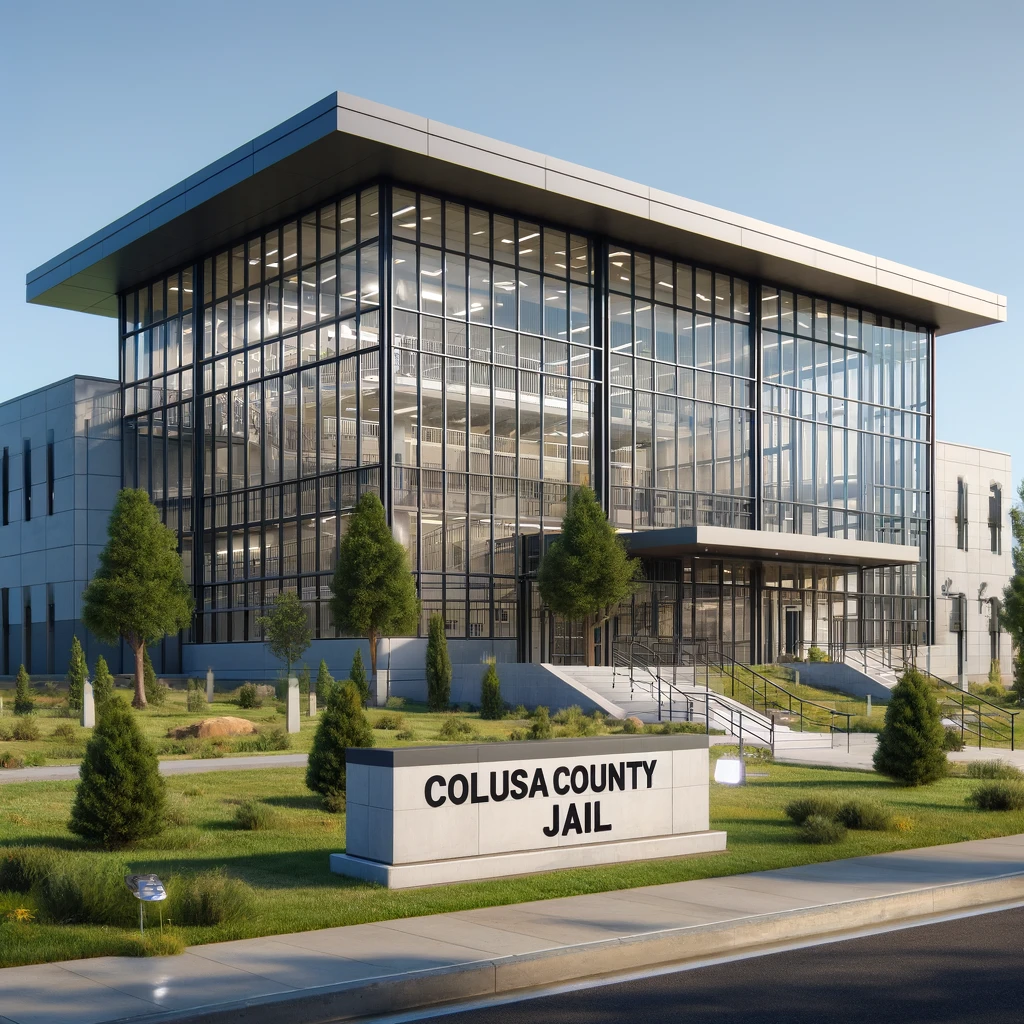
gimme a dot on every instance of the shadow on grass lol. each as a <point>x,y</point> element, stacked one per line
<point>305,802</point>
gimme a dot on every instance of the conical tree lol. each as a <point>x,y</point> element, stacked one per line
<point>324,684</point>
<point>23,702</point>
<point>156,692</point>
<point>102,684</point>
<point>374,592</point>
<point>439,666</point>
<point>491,705</point>
<point>121,795</point>
<point>910,746</point>
<point>343,724</point>
<point>586,572</point>
<point>357,673</point>
<point>139,593</point>
<point>78,672</point>
<point>1012,606</point>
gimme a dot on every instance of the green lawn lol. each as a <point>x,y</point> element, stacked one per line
<point>288,865</point>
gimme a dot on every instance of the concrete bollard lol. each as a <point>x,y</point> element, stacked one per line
<point>88,706</point>
<point>796,676</point>
<point>312,703</point>
<point>209,686</point>
<point>869,705</point>
<point>293,704</point>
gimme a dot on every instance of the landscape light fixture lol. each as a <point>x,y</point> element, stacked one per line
<point>146,889</point>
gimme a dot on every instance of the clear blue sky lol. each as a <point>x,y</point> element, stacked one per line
<point>891,127</point>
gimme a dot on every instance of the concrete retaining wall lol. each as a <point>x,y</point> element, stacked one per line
<point>842,678</point>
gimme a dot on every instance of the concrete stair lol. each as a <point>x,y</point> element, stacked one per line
<point>872,667</point>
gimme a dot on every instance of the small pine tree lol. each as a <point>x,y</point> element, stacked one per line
<point>304,681</point>
<point>910,745</point>
<point>1017,687</point>
<point>357,673</point>
<point>324,684</point>
<point>439,666</point>
<point>78,672</point>
<point>121,796</point>
<point>156,692</point>
<point>343,724</point>
<point>491,705</point>
<point>23,703</point>
<point>102,684</point>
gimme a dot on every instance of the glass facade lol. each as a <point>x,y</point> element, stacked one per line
<point>470,366</point>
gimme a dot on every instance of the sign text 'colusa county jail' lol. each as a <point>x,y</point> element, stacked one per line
<point>579,817</point>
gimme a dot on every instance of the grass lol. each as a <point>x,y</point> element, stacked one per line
<point>287,864</point>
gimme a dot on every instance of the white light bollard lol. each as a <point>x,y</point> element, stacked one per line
<point>293,704</point>
<point>209,686</point>
<point>88,706</point>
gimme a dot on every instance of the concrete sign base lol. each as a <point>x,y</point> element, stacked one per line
<point>426,815</point>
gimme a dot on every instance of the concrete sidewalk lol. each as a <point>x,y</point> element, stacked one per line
<point>191,766</point>
<point>862,749</point>
<point>414,962</point>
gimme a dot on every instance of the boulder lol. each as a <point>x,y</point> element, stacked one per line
<point>209,728</point>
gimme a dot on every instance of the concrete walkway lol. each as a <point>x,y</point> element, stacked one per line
<point>862,749</point>
<point>187,767</point>
<point>398,965</point>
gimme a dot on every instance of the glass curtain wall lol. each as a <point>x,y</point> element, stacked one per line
<point>846,441</point>
<point>493,383</point>
<point>681,391</point>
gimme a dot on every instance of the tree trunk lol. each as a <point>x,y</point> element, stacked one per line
<point>140,675</point>
<point>372,637</point>
<point>588,640</point>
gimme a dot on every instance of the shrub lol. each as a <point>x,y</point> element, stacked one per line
<point>85,890</point>
<point>951,738</point>
<point>910,744</point>
<point>394,703</point>
<point>455,728</point>
<point>78,670</point>
<point>995,675</point>
<point>387,720</point>
<point>36,759</point>
<point>993,770</point>
<point>9,760</point>
<point>208,898</point>
<point>248,697</point>
<point>5,732</point>
<point>492,707</point>
<point>254,816</point>
<point>821,830</point>
<point>324,684</point>
<point>866,815</point>
<point>631,726</point>
<point>156,690</point>
<point>195,697</point>
<point>998,795</point>
<point>540,728</point>
<point>343,724</point>
<point>864,724</point>
<point>815,653</point>
<point>575,723</point>
<point>519,712</point>
<point>121,795</point>
<point>23,703</point>
<point>405,734</point>
<point>518,735</point>
<point>66,732</point>
<point>22,866</point>
<point>25,730</point>
<point>439,666</point>
<point>335,803</point>
<point>357,673</point>
<point>818,805</point>
<point>274,738</point>
<point>675,728</point>
<point>102,685</point>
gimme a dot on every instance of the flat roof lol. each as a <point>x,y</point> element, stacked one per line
<point>344,141</point>
<point>729,542</point>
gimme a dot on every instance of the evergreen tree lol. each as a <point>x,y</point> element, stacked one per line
<point>342,724</point>
<point>439,666</point>
<point>324,684</point>
<point>138,593</point>
<point>121,795</point>
<point>357,673</point>
<point>585,573</point>
<point>23,702</point>
<point>910,745</point>
<point>304,681</point>
<point>286,629</point>
<point>491,705</point>
<point>1012,611</point>
<point>102,685</point>
<point>156,692</point>
<point>78,672</point>
<point>374,592</point>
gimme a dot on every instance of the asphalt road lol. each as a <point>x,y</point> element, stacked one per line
<point>965,970</point>
<point>190,766</point>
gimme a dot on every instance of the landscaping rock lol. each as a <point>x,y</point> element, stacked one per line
<point>209,728</point>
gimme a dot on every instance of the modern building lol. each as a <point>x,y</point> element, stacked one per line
<point>60,468</point>
<point>363,299</point>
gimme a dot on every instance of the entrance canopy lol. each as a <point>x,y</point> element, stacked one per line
<point>760,544</point>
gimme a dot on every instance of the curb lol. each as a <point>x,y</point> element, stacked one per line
<point>520,973</point>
